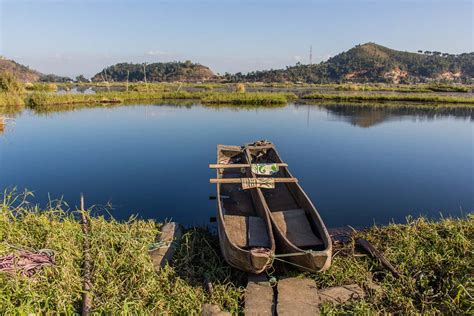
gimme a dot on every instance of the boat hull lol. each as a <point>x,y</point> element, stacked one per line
<point>249,260</point>
<point>312,260</point>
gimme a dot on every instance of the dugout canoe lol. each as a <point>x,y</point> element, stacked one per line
<point>245,231</point>
<point>300,234</point>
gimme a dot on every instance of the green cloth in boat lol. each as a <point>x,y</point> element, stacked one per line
<point>264,183</point>
<point>265,169</point>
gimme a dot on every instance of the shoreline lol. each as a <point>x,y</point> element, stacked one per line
<point>45,102</point>
<point>42,95</point>
<point>432,256</point>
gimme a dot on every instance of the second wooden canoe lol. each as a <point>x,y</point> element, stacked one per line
<point>300,233</point>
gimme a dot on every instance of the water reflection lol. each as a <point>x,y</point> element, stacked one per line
<point>368,116</point>
<point>152,159</point>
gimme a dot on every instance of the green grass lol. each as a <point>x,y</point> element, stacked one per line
<point>251,98</point>
<point>40,86</point>
<point>423,88</point>
<point>435,259</point>
<point>452,108</point>
<point>123,277</point>
<point>39,99</point>
<point>391,97</point>
<point>11,99</point>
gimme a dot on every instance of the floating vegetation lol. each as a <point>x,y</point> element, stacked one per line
<point>39,99</point>
<point>392,97</point>
<point>41,86</point>
<point>255,98</point>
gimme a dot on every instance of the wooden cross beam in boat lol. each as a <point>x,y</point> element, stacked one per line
<point>239,180</point>
<point>241,165</point>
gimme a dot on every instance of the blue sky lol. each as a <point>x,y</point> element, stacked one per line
<point>81,37</point>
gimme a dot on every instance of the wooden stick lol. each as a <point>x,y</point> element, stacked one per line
<point>239,180</point>
<point>86,285</point>
<point>241,165</point>
<point>144,75</point>
<point>367,246</point>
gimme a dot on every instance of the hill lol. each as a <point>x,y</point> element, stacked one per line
<point>371,62</point>
<point>170,71</point>
<point>22,73</point>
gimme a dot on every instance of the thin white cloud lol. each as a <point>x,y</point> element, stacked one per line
<point>157,53</point>
<point>297,58</point>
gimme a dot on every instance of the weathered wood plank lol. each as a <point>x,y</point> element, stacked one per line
<point>167,242</point>
<point>297,297</point>
<point>240,165</point>
<point>366,245</point>
<point>295,226</point>
<point>259,296</point>
<point>239,180</point>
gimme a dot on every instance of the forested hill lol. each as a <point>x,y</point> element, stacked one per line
<point>373,63</point>
<point>22,73</point>
<point>171,71</point>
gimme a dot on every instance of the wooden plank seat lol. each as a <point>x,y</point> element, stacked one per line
<point>295,226</point>
<point>247,231</point>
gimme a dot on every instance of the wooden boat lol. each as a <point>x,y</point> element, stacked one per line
<point>299,231</point>
<point>244,227</point>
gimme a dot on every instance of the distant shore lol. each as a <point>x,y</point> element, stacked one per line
<point>47,96</point>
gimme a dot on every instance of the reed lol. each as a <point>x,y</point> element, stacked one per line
<point>11,99</point>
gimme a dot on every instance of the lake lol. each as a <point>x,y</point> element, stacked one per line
<point>359,166</point>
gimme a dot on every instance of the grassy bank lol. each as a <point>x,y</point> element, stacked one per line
<point>433,257</point>
<point>11,99</point>
<point>391,98</point>
<point>417,88</point>
<point>253,98</point>
<point>37,100</point>
<point>465,108</point>
<point>122,274</point>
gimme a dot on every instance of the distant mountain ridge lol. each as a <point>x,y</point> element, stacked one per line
<point>368,62</point>
<point>371,62</point>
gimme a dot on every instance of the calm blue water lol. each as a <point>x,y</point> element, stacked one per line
<point>358,166</point>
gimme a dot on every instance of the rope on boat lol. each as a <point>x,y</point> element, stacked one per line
<point>302,253</point>
<point>292,263</point>
<point>284,255</point>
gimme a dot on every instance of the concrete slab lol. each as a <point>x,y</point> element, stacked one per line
<point>167,242</point>
<point>341,294</point>
<point>297,297</point>
<point>259,298</point>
